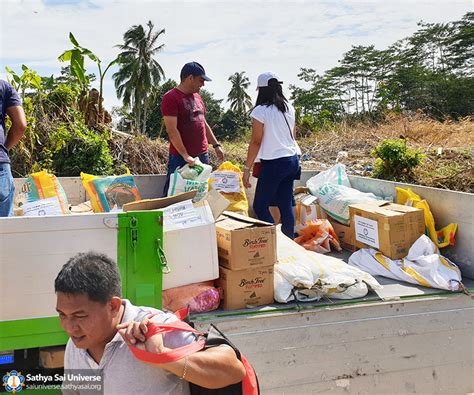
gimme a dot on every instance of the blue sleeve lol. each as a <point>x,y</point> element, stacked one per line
<point>12,97</point>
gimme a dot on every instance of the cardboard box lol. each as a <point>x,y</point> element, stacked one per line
<point>390,228</point>
<point>306,208</point>
<point>246,288</point>
<point>189,243</point>
<point>244,242</point>
<point>52,357</point>
<point>345,234</point>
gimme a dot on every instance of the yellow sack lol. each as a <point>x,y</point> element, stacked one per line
<point>227,180</point>
<point>441,238</point>
<point>110,193</point>
<point>42,185</point>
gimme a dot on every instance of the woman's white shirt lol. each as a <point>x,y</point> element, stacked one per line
<point>277,142</point>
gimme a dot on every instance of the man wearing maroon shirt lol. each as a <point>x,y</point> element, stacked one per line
<point>184,115</point>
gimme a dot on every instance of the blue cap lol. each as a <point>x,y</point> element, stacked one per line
<point>194,68</point>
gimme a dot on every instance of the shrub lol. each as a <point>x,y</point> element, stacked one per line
<point>75,148</point>
<point>395,161</point>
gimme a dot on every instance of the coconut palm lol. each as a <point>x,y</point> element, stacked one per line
<point>138,70</point>
<point>238,97</point>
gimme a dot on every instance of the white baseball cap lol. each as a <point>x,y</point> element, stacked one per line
<point>262,80</point>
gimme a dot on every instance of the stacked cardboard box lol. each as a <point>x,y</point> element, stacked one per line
<point>247,255</point>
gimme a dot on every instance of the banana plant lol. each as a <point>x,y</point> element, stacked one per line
<point>76,58</point>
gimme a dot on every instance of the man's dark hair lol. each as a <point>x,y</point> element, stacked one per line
<point>90,273</point>
<point>272,95</point>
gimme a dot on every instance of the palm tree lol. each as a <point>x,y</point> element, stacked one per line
<point>238,97</point>
<point>138,70</point>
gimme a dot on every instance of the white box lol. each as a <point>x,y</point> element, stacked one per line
<point>190,249</point>
<point>191,252</point>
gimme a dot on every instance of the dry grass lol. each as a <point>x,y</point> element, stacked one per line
<point>450,168</point>
<point>140,154</point>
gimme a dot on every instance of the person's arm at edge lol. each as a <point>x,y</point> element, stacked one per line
<point>17,130</point>
<point>254,147</point>
<point>171,124</point>
<point>211,138</point>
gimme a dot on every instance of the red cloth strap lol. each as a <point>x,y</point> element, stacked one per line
<point>249,383</point>
<point>174,354</point>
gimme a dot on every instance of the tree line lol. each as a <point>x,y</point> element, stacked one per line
<point>69,128</point>
<point>430,71</point>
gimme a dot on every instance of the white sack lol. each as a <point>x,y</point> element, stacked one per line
<point>422,266</point>
<point>314,275</point>
<point>335,175</point>
<point>335,200</point>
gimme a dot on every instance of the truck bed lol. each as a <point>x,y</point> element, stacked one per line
<point>402,339</point>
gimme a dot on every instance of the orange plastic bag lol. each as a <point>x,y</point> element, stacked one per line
<point>318,236</point>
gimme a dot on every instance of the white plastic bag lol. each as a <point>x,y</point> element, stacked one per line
<point>199,172</point>
<point>187,178</point>
<point>335,175</point>
<point>308,275</point>
<point>422,266</point>
<point>335,200</point>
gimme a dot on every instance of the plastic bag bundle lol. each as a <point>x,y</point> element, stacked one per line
<point>335,175</point>
<point>423,266</point>
<point>308,276</point>
<point>335,200</point>
<point>318,236</point>
<point>110,193</point>
<point>189,178</point>
<point>227,180</point>
<point>200,297</point>
<point>43,186</point>
<point>441,238</point>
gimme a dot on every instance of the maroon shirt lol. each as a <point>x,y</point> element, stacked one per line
<point>190,111</point>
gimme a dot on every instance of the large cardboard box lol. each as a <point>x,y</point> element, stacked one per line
<point>345,234</point>
<point>246,288</point>
<point>189,242</point>
<point>244,242</point>
<point>388,227</point>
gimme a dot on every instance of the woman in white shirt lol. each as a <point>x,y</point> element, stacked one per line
<point>273,144</point>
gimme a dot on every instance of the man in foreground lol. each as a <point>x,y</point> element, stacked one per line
<point>101,325</point>
<point>184,115</point>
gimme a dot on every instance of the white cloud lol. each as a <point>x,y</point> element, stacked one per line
<point>225,36</point>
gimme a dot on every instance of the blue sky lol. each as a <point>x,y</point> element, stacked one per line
<point>225,36</point>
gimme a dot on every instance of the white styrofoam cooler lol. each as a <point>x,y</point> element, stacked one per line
<point>32,252</point>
